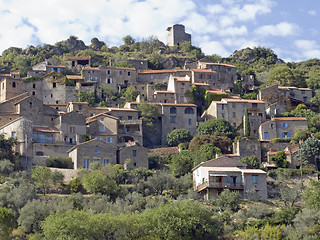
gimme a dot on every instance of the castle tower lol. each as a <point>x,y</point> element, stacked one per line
<point>177,35</point>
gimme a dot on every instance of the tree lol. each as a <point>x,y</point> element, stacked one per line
<point>87,97</point>
<point>280,160</point>
<point>6,167</point>
<point>6,148</point>
<point>311,195</point>
<point>228,200</point>
<point>131,94</point>
<point>107,93</point>
<point>128,40</point>
<point>41,177</point>
<point>181,164</point>
<point>221,142</point>
<point>251,161</point>
<point>289,196</point>
<point>178,136</point>
<point>6,223</point>
<point>246,123</point>
<point>220,127</point>
<point>205,153</point>
<point>149,113</point>
<point>94,182</point>
<point>311,150</point>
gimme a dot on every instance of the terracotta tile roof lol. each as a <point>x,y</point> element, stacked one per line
<point>75,77</point>
<point>216,91</point>
<point>241,100</point>
<point>94,118</point>
<point>289,119</point>
<point>77,103</point>
<point>119,68</point>
<point>15,73</point>
<point>5,75</point>
<point>221,162</point>
<point>165,150</point>
<point>45,129</point>
<point>274,153</point>
<point>158,71</point>
<point>122,109</point>
<point>79,58</point>
<point>91,68</point>
<point>53,66</point>
<point>177,104</point>
<point>201,84</point>
<point>203,70</point>
<point>90,141</point>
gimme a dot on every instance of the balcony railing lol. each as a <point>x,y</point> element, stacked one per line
<point>229,185</point>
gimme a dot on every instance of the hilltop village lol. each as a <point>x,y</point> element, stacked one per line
<point>157,141</point>
<point>43,112</point>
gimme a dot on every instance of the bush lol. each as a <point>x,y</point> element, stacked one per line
<point>278,140</point>
<point>178,136</point>
<point>58,162</point>
<point>75,185</point>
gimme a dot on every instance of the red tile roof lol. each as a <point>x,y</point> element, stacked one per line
<point>164,151</point>
<point>46,129</point>
<point>75,77</point>
<point>241,100</point>
<point>201,84</point>
<point>203,70</point>
<point>158,71</point>
<point>290,119</point>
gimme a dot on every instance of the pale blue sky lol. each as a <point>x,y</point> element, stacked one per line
<point>290,28</point>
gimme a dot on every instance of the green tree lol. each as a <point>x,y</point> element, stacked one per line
<point>178,136</point>
<point>282,74</point>
<point>221,142</point>
<point>131,94</point>
<point>181,163</point>
<point>311,150</point>
<point>149,114</point>
<point>6,148</point>
<point>6,223</point>
<point>280,160</point>
<point>87,97</point>
<point>42,178</point>
<point>228,200</point>
<point>6,167</point>
<point>220,127</point>
<point>251,161</point>
<point>246,123</point>
<point>311,195</point>
<point>128,40</point>
<point>107,93</point>
<point>205,153</point>
<point>94,182</point>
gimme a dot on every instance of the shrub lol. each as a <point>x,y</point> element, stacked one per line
<point>58,162</point>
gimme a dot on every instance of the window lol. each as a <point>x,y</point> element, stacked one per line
<point>151,76</point>
<point>129,74</point>
<point>54,85</point>
<point>105,161</point>
<point>173,110</point>
<point>102,119</point>
<point>305,99</point>
<point>101,128</point>
<point>39,153</point>
<point>285,103</point>
<point>34,137</point>
<point>222,107</point>
<point>260,114</point>
<point>109,139</point>
<point>108,72</point>
<point>13,134</point>
<point>33,93</point>
<point>303,91</point>
<point>233,105</point>
<point>86,163</point>
<point>34,85</point>
<point>96,150</point>
<point>266,135</point>
<point>222,115</point>
<point>80,107</point>
<point>129,117</point>
<point>42,138</point>
<point>210,76</point>
<point>285,135</point>
<point>254,105</point>
<point>189,111</point>
<point>233,114</point>
<point>166,77</point>
<point>285,94</point>
<point>234,124</point>
<point>201,76</point>
<point>255,179</point>
<point>72,129</point>
<point>284,125</point>
<point>134,153</point>
<point>173,119</point>
<point>14,84</point>
<point>99,138</point>
<point>189,121</point>
<point>120,118</point>
<point>120,73</point>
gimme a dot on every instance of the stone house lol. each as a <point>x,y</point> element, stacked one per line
<point>13,75</point>
<point>84,154</point>
<point>71,127</point>
<point>10,87</point>
<point>76,63</point>
<point>233,110</point>
<point>163,97</point>
<point>287,97</point>
<point>282,127</point>
<point>134,156</point>
<point>212,177</point>
<point>54,88</point>
<point>205,76</point>
<point>177,35</point>
<point>115,77</point>
<point>180,86</point>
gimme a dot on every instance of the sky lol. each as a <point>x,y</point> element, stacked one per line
<point>289,27</point>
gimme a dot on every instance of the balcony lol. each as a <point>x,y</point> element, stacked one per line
<point>229,185</point>
<point>131,122</point>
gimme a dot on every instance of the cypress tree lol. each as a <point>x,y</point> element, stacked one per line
<point>246,123</point>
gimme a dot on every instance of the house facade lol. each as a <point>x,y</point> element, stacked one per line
<point>212,177</point>
<point>282,127</point>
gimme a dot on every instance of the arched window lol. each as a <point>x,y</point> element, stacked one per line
<point>173,110</point>
<point>188,111</point>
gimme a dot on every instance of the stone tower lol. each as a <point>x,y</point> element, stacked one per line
<point>177,35</point>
